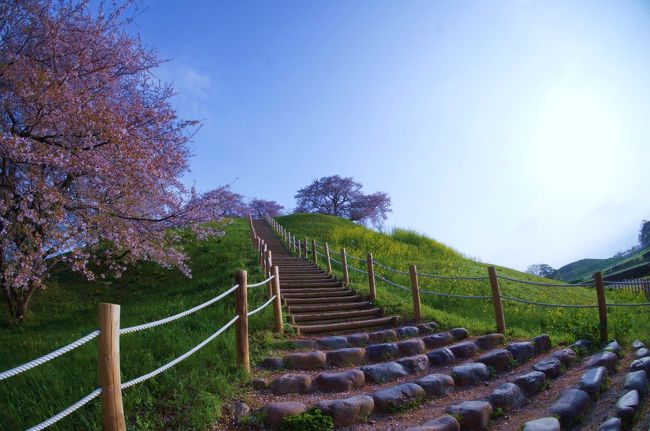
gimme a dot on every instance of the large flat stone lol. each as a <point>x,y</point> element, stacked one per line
<point>342,381</point>
<point>571,407</point>
<point>437,385</point>
<point>464,350</point>
<point>542,424</point>
<point>542,343</point>
<point>358,340</point>
<point>522,351</point>
<point>346,357</point>
<point>581,346</point>
<point>333,342</point>
<point>384,372</point>
<point>506,397</point>
<point>641,364</point>
<point>382,336</point>
<point>459,333</point>
<point>437,340</point>
<point>275,412</point>
<point>637,380</point>
<point>381,352</point>
<point>393,398</point>
<point>470,374</point>
<point>292,383</point>
<point>611,424</point>
<point>499,359</point>
<point>627,406</point>
<point>347,411</point>
<point>443,423</point>
<point>566,356</point>
<point>411,347</point>
<point>273,363</point>
<point>637,344</point>
<point>428,327</point>
<point>472,415</point>
<point>531,383</point>
<point>551,367</point>
<point>306,361</point>
<point>407,331</point>
<point>305,344</point>
<point>606,359</point>
<point>593,380</point>
<point>641,353</point>
<point>414,364</point>
<point>613,347</point>
<point>441,357</point>
<point>490,341</point>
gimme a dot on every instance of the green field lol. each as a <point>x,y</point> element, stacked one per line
<point>401,248</point>
<point>583,269</point>
<point>187,396</point>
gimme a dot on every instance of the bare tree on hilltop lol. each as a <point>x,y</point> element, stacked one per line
<point>342,197</point>
<point>542,270</point>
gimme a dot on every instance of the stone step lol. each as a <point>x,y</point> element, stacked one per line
<point>348,326</point>
<point>335,315</point>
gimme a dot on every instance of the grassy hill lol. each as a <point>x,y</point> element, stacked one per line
<point>583,269</point>
<point>187,396</point>
<point>400,248</point>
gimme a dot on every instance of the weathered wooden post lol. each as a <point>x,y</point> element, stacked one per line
<point>496,300</point>
<point>241,325</point>
<point>299,249</point>
<point>371,278</point>
<point>306,249</point>
<point>313,251</point>
<point>344,266</point>
<point>277,302</point>
<point>415,292</point>
<point>328,261</point>
<point>269,271</point>
<point>108,361</point>
<point>602,306</point>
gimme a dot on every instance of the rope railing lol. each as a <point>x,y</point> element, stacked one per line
<point>453,277</point>
<point>184,356</point>
<point>388,268</point>
<point>48,357</point>
<point>261,283</point>
<point>261,307</point>
<point>71,409</point>
<point>454,295</point>
<point>535,283</point>
<point>357,269</point>
<point>179,315</point>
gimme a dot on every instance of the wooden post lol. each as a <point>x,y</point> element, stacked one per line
<point>306,249</point>
<point>299,249</point>
<point>602,306</point>
<point>313,251</point>
<point>277,302</point>
<point>328,261</point>
<point>496,300</point>
<point>415,292</point>
<point>371,278</point>
<point>108,362</point>
<point>241,325</point>
<point>269,271</point>
<point>344,266</point>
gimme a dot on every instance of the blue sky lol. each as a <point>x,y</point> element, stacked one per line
<point>515,131</point>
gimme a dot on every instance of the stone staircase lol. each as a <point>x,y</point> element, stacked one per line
<point>317,302</point>
<point>417,379</point>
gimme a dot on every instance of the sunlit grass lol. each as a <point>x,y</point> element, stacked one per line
<point>188,396</point>
<point>401,248</point>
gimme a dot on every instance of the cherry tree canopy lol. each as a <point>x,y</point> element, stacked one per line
<point>91,151</point>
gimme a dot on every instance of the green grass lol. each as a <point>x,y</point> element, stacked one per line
<point>188,396</point>
<point>401,247</point>
<point>582,270</point>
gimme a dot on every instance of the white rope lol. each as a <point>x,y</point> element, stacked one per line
<point>357,269</point>
<point>262,283</point>
<point>357,258</point>
<point>179,315</point>
<point>261,307</point>
<point>45,358</point>
<point>408,289</point>
<point>381,265</point>
<point>180,358</point>
<point>57,417</point>
<point>633,304</point>
<point>453,295</point>
<point>453,277</point>
<point>546,304</point>
<point>544,284</point>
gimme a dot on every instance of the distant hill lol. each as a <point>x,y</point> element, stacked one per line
<point>629,266</point>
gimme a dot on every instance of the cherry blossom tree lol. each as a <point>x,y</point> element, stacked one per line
<point>91,152</point>
<point>342,197</point>
<point>258,207</point>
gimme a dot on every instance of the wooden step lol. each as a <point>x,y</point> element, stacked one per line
<point>336,293</point>
<point>345,326</point>
<point>328,307</point>
<point>336,315</point>
<point>330,300</point>
<point>311,289</point>
<point>311,284</point>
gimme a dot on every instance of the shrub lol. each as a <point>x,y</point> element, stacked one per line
<point>312,420</point>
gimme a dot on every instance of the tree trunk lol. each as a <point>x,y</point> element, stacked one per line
<point>17,303</point>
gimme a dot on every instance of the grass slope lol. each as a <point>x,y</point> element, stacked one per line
<point>401,248</point>
<point>584,269</point>
<point>187,396</point>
